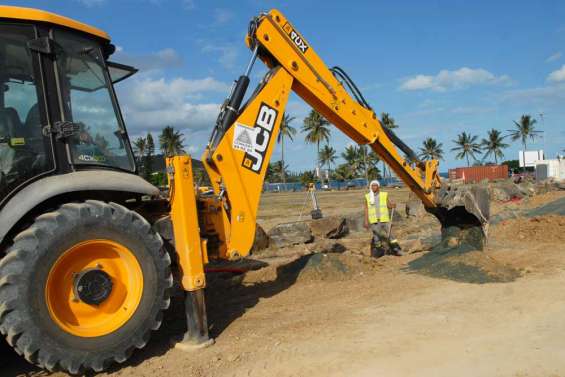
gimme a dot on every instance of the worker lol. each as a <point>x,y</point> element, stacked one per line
<point>377,216</point>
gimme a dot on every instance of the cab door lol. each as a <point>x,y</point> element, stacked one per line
<point>26,150</point>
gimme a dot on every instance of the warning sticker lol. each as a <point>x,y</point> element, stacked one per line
<point>243,137</point>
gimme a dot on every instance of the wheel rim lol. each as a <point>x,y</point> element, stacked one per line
<point>108,259</point>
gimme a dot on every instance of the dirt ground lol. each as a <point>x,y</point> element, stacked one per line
<point>326,309</point>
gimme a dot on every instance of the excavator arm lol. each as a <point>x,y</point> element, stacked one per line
<point>242,142</point>
<point>280,44</point>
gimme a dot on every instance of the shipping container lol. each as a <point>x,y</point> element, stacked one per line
<point>479,173</point>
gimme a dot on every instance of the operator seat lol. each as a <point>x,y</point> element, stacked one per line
<point>33,132</point>
<point>10,124</point>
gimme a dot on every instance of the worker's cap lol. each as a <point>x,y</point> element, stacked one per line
<point>375,182</point>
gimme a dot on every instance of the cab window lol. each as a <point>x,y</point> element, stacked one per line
<point>88,103</point>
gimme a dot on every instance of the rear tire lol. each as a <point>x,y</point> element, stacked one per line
<point>43,319</point>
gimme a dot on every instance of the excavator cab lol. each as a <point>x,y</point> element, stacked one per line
<point>58,110</point>
<point>84,278</point>
<point>25,152</point>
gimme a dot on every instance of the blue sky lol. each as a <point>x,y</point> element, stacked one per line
<point>438,67</point>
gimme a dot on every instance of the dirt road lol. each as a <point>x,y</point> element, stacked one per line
<point>347,315</point>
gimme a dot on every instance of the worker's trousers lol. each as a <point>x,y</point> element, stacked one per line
<point>381,241</point>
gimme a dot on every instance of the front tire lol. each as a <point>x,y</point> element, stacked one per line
<point>83,287</point>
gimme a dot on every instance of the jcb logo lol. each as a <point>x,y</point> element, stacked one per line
<point>264,124</point>
<point>296,38</point>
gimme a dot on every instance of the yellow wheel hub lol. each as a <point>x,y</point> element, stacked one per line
<point>100,271</point>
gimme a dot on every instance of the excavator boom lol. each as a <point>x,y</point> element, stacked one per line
<point>242,142</point>
<point>280,44</point>
<point>240,147</point>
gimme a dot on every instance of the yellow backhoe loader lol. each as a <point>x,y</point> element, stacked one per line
<point>84,274</point>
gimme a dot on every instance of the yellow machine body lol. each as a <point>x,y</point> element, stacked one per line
<point>230,213</point>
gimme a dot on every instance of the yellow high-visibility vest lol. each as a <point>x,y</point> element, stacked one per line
<point>382,207</point>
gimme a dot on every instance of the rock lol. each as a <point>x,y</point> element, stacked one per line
<point>288,234</point>
<point>261,239</point>
<point>527,188</point>
<point>415,208</point>
<point>360,246</point>
<point>329,227</point>
<point>512,190</point>
<point>355,223</point>
<point>499,194</point>
<point>327,246</point>
<point>412,246</point>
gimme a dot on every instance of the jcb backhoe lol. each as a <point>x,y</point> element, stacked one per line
<point>84,274</point>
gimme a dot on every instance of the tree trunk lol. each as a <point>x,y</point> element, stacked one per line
<point>524,156</point>
<point>282,160</point>
<point>318,172</point>
<point>467,156</point>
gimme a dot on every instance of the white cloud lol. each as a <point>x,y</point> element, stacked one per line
<point>553,57</point>
<point>449,80</point>
<point>91,3</point>
<point>557,76</point>
<point>221,16</point>
<point>227,53</point>
<point>551,95</point>
<point>151,104</point>
<point>165,58</point>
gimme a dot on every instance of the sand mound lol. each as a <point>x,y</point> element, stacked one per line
<point>324,267</point>
<point>550,228</point>
<point>463,263</point>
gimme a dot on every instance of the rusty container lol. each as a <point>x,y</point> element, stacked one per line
<point>479,173</point>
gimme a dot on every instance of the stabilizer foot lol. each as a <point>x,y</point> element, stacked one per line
<point>196,336</point>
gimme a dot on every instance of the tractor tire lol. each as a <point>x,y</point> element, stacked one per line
<point>83,287</point>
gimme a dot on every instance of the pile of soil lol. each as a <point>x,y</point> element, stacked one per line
<point>463,263</point>
<point>543,229</point>
<point>327,267</point>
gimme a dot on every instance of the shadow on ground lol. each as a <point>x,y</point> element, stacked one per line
<point>227,300</point>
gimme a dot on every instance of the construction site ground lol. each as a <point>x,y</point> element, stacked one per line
<point>327,309</point>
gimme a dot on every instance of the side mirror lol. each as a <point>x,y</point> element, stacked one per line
<point>119,72</point>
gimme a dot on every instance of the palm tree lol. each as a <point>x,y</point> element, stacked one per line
<point>371,161</point>
<point>388,122</point>
<point>524,129</point>
<point>327,157</point>
<point>140,145</point>
<point>494,145</point>
<point>149,152</point>
<point>316,128</point>
<point>431,150</point>
<point>362,156</point>
<point>351,157</point>
<point>274,170</point>
<point>466,146</point>
<point>286,130</point>
<point>171,142</point>
<point>359,162</point>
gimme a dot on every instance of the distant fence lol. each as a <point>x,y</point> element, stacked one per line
<point>333,185</point>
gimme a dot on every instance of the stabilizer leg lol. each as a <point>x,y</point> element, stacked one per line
<point>196,335</point>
